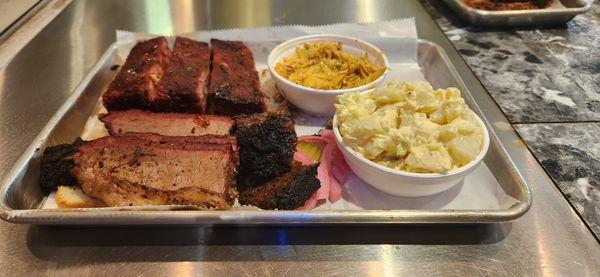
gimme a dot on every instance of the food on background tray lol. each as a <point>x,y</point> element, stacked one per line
<point>184,86</point>
<point>500,5</point>
<point>323,65</point>
<point>148,169</point>
<point>410,127</point>
<point>285,192</point>
<point>167,124</point>
<point>234,85</point>
<point>68,197</point>
<point>267,144</point>
<point>136,86</point>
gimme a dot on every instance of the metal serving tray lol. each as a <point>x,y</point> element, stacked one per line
<point>21,196</point>
<point>560,12</point>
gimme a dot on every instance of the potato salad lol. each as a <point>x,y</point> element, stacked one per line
<point>410,126</point>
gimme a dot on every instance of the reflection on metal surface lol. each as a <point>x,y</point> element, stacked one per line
<point>366,11</point>
<point>78,46</point>
<point>159,13</point>
<point>388,259</point>
<point>549,239</point>
<point>185,9</point>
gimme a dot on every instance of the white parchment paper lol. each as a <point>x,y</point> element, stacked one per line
<point>398,39</point>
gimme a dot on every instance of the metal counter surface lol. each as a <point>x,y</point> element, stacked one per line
<point>549,240</point>
<point>12,11</point>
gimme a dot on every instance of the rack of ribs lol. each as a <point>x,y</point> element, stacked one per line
<point>234,85</point>
<point>185,83</point>
<point>167,124</point>
<point>149,169</point>
<point>137,83</point>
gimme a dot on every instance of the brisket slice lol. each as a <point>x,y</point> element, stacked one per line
<point>149,169</point>
<point>167,124</point>
<point>136,84</point>
<point>185,83</point>
<point>234,84</point>
<point>267,144</point>
<point>286,192</point>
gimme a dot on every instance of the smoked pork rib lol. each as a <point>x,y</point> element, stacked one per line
<point>185,83</point>
<point>137,83</point>
<point>167,124</point>
<point>234,85</point>
<point>149,169</point>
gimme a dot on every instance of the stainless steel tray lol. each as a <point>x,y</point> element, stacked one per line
<point>560,12</point>
<point>21,197</point>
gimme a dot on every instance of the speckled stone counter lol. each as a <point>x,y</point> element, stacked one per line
<point>547,82</point>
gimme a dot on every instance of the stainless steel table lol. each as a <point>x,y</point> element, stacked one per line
<point>549,240</point>
<point>12,11</point>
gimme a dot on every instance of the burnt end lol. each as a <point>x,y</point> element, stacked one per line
<point>302,187</point>
<point>286,192</point>
<point>56,165</point>
<point>267,144</point>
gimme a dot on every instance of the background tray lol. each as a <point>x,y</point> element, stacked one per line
<point>560,12</point>
<point>21,197</point>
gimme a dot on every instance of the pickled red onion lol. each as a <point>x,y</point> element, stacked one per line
<point>332,172</point>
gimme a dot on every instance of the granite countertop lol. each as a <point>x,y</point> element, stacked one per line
<point>547,82</point>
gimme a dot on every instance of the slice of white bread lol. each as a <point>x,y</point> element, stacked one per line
<point>73,197</point>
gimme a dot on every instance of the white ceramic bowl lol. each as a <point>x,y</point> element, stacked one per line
<point>402,183</point>
<point>319,101</point>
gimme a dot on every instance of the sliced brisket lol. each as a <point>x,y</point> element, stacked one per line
<point>149,169</point>
<point>167,124</point>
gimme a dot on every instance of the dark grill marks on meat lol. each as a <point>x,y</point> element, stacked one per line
<point>267,144</point>
<point>234,84</point>
<point>167,124</point>
<point>185,83</point>
<point>55,165</point>
<point>286,192</point>
<point>149,169</point>
<point>136,84</point>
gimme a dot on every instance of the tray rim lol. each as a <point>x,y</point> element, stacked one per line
<point>477,16</point>
<point>125,216</point>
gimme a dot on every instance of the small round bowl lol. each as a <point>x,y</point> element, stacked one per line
<point>402,183</point>
<point>320,101</point>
